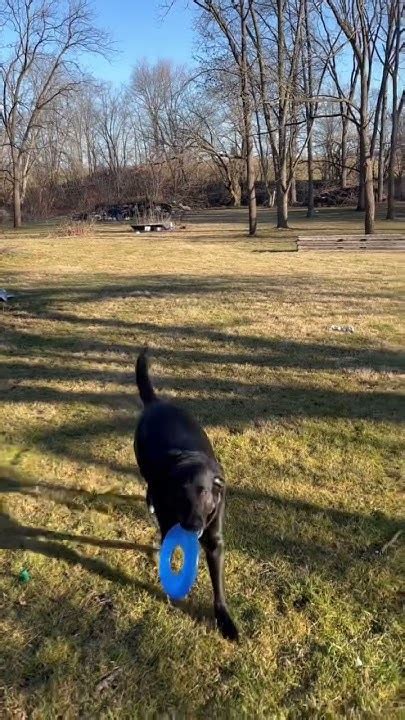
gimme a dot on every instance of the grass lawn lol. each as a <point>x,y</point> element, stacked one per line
<point>306,421</point>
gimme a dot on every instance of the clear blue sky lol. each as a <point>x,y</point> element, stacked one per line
<point>141,29</point>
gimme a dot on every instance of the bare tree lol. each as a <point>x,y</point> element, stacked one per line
<point>382,148</point>
<point>159,94</point>
<point>38,66</point>
<point>357,25</point>
<point>397,104</point>
<point>232,22</point>
<point>278,32</point>
<point>113,130</point>
<point>215,126</point>
<point>307,76</point>
<point>362,24</point>
<point>263,149</point>
<point>276,89</point>
<point>84,142</point>
<point>345,89</point>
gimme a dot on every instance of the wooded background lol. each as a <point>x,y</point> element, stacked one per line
<point>285,96</point>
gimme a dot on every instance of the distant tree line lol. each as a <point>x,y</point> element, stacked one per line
<point>286,94</point>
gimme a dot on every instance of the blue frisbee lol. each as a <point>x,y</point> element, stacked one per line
<point>178,584</point>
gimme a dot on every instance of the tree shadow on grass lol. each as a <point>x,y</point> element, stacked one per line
<point>105,655</point>
<point>256,521</point>
<point>230,350</point>
<point>219,406</point>
<point>224,346</point>
<point>215,401</point>
<point>72,497</point>
<point>262,519</point>
<point>45,302</point>
<point>110,659</point>
<point>220,399</point>
<point>16,536</point>
<point>222,403</point>
<point>257,526</point>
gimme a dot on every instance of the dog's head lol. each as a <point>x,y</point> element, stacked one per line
<point>199,489</point>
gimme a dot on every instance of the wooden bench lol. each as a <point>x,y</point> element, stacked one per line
<point>332,243</point>
<point>148,227</point>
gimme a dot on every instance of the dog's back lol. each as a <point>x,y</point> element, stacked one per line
<point>164,427</point>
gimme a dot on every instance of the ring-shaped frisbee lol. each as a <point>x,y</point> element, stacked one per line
<point>178,584</point>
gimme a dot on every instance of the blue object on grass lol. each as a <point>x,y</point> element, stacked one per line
<point>178,584</point>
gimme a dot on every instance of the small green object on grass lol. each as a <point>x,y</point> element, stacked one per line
<point>24,576</point>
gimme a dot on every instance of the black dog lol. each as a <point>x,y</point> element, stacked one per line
<point>185,481</point>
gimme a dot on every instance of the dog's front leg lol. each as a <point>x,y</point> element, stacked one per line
<point>214,551</point>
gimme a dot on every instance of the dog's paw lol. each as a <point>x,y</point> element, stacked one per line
<point>226,625</point>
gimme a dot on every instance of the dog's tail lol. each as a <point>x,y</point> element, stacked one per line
<point>145,386</point>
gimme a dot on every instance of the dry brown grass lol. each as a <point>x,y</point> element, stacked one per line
<point>73,228</point>
<point>306,422</point>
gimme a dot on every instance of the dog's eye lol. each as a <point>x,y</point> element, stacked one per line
<point>218,484</point>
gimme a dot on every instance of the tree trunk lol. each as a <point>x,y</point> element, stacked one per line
<point>17,200</point>
<point>362,164</point>
<point>264,164</point>
<point>292,170</point>
<point>310,163</point>
<point>369,217</point>
<point>396,112</point>
<point>366,155</point>
<point>235,191</point>
<point>247,122</point>
<point>281,179</point>
<point>381,149</point>
<point>343,154</point>
<point>293,191</point>
<point>282,197</point>
<point>250,171</point>
<point>391,167</point>
<point>309,110</point>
